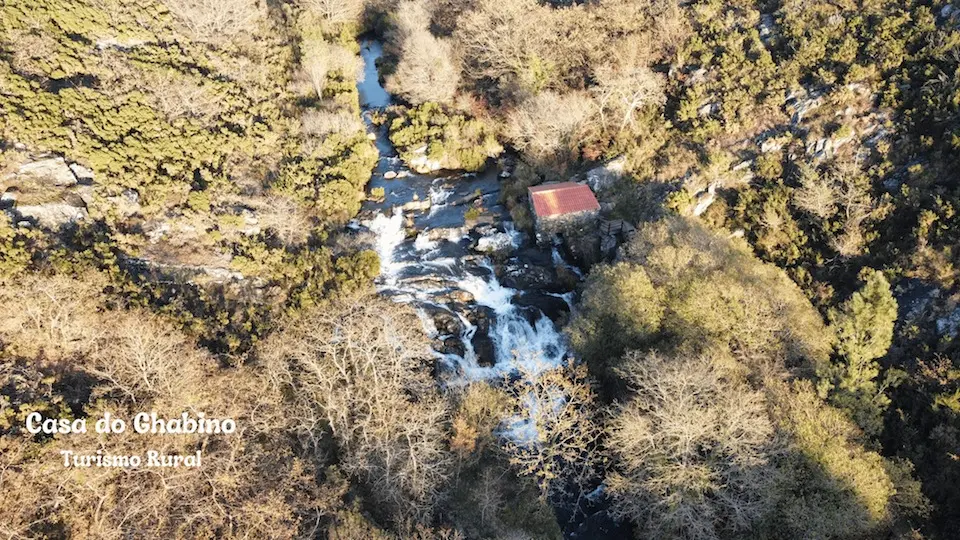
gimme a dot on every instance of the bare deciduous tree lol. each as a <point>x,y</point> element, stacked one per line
<point>285,216</point>
<point>357,365</point>
<point>147,359</point>
<point>252,483</point>
<point>623,93</point>
<point>334,12</point>
<point>554,433</point>
<point>57,315</point>
<point>320,59</point>
<point>426,70</point>
<point>842,190</point>
<point>499,39</point>
<point>178,96</point>
<point>545,126</point>
<point>212,19</point>
<point>691,449</point>
<point>857,207</point>
<point>817,194</point>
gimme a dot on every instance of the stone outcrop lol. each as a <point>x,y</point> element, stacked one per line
<point>53,171</point>
<point>553,306</point>
<point>484,348</point>
<point>497,242</point>
<point>48,192</point>
<point>185,273</point>
<point>421,163</point>
<point>50,215</point>
<point>602,177</point>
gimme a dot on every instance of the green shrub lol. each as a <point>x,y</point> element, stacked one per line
<point>454,140</point>
<point>769,166</point>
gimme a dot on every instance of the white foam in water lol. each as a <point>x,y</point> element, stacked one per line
<point>517,342</point>
<point>429,327</point>
<point>454,236</point>
<point>438,198</point>
<point>567,297</point>
<point>516,237</point>
<point>390,234</point>
<point>488,292</point>
<point>424,243</point>
<point>445,263</point>
<point>558,261</point>
<point>533,347</point>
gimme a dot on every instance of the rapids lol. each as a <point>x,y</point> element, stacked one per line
<point>429,259</point>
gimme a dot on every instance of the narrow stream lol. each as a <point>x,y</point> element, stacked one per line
<point>487,316</point>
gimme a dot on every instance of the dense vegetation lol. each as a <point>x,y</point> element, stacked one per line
<point>773,354</point>
<point>824,134</point>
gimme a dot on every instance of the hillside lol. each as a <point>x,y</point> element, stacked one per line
<point>206,212</point>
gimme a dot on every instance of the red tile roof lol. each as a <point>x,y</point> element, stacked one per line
<point>565,198</point>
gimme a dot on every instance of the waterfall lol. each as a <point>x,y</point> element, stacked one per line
<point>390,234</point>
<point>436,271</point>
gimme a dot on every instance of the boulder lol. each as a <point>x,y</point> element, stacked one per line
<point>605,175</point>
<point>949,326</point>
<point>251,223</point>
<point>156,229</point>
<point>52,215</point>
<point>188,273</point>
<point>419,161</point>
<point>767,27</point>
<point>417,206</point>
<point>554,307</point>
<point>801,101</point>
<point>530,313</point>
<point>484,348</point>
<point>452,234</point>
<point>820,148</point>
<point>8,199</point>
<point>496,242</point>
<point>426,282</point>
<point>772,144</point>
<point>447,323</point>
<point>526,277</point>
<point>127,203</point>
<point>708,109</point>
<point>83,174</point>
<point>703,200</point>
<point>455,296</point>
<point>481,316</point>
<point>450,345</point>
<point>53,171</point>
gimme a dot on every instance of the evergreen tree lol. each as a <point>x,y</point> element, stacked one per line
<point>864,330</point>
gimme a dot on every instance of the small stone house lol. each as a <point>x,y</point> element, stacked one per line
<point>564,208</point>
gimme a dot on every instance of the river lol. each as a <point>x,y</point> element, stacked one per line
<point>483,324</point>
<point>490,314</point>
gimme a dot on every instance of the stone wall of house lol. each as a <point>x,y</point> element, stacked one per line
<point>577,223</point>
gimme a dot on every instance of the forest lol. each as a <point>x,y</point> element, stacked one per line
<point>771,352</point>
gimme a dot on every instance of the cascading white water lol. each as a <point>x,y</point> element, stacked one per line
<point>390,234</point>
<point>488,292</point>
<point>424,243</point>
<point>435,273</point>
<point>438,198</point>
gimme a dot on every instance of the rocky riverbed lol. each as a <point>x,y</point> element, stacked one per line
<point>489,299</point>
